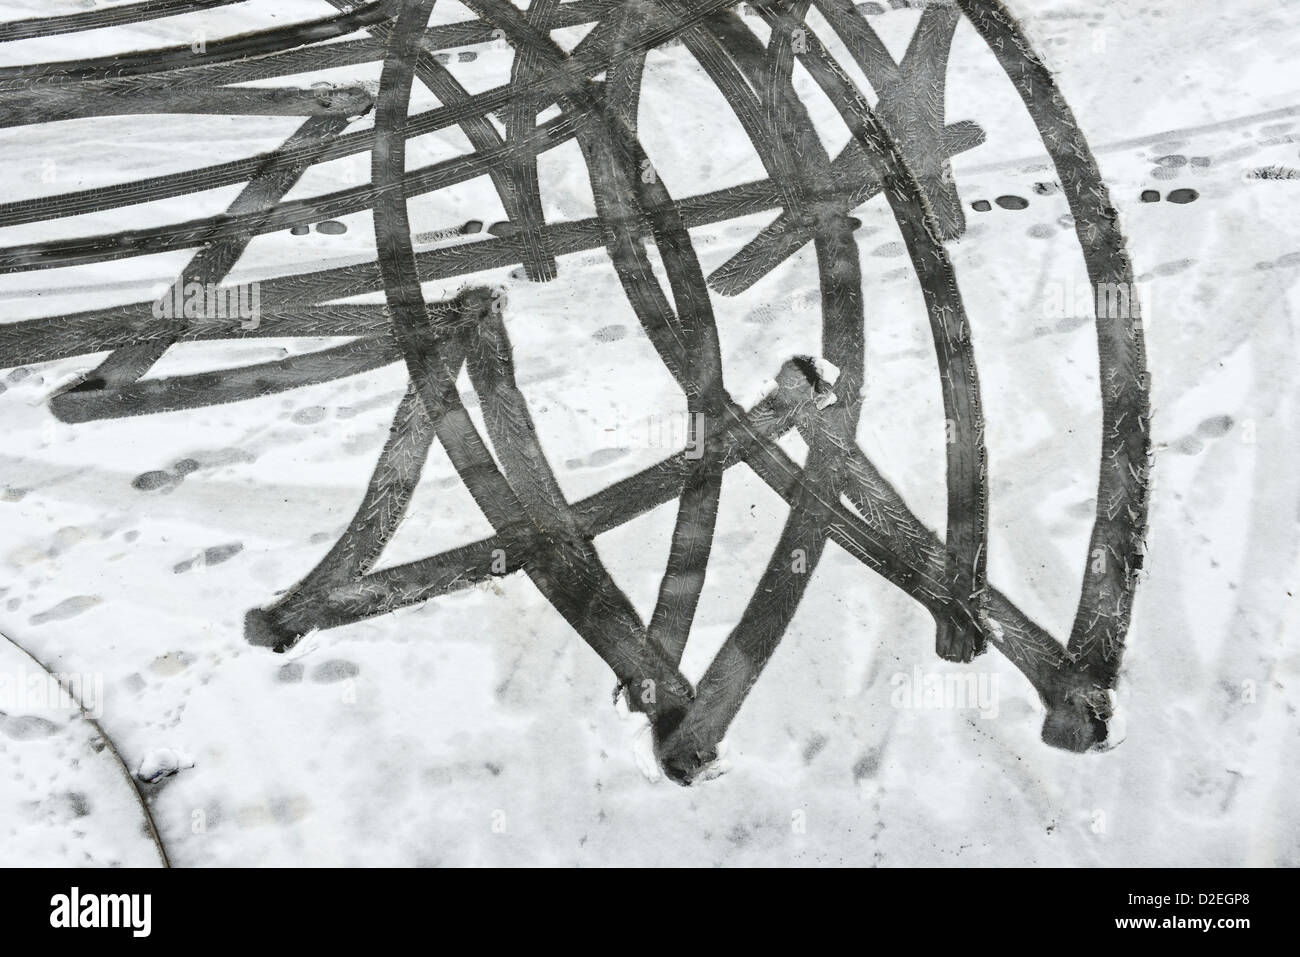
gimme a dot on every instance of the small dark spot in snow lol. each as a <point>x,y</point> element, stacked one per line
<point>67,608</point>
<point>150,481</point>
<point>605,456</point>
<point>220,553</point>
<point>289,674</point>
<point>333,670</point>
<point>78,803</point>
<point>867,766</point>
<point>27,727</point>
<point>309,415</point>
<point>813,747</point>
<point>1215,427</point>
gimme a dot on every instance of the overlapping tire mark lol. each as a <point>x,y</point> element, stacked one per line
<point>585,63</point>
<point>53,103</point>
<point>116,16</point>
<point>520,119</point>
<point>963,635</point>
<point>544,535</point>
<point>142,242</point>
<point>483,137</point>
<point>912,98</point>
<point>201,389</point>
<point>682,582</point>
<point>225,50</point>
<point>339,203</point>
<point>686,339</point>
<point>1115,549</point>
<point>188,76</point>
<point>97,395</point>
<point>392,483</point>
<point>782,133</point>
<point>627,192</point>
<point>65,337</point>
<point>911,103</point>
<point>917,567</point>
<point>397,586</point>
<point>567,572</point>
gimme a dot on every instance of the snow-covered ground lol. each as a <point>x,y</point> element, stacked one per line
<point>478,729</point>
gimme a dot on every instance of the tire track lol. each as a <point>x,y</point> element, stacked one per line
<point>225,50</point>
<point>965,634</point>
<point>1115,549</point>
<point>567,572</point>
<point>99,19</point>
<point>52,104</point>
<point>100,388</point>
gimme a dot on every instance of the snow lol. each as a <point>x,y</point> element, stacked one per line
<point>477,729</point>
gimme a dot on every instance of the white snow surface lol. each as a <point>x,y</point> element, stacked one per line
<point>478,729</point>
